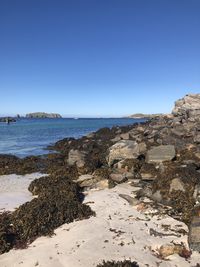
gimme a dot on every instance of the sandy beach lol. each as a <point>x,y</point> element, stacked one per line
<point>14,190</point>
<point>119,231</point>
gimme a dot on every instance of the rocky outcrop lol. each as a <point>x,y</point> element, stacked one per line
<point>43,115</point>
<point>188,106</point>
<point>7,119</point>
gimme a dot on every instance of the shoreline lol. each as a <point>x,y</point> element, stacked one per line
<point>159,157</point>
<point>50,131</point>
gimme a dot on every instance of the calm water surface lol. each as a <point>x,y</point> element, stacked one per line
<point>32,136</point>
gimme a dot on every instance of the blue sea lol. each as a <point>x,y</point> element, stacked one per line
<point>31,136</point>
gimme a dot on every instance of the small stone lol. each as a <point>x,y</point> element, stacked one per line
<point>84,177</point>
<point>176,184</point>
<point>157,196</point>
<point>142,147</point>
<point>118,177</point>
<point>125,136</point>
<point>132,201</point>
<point>170,249</point>
<point>116,139</point>
<point>103,184</point>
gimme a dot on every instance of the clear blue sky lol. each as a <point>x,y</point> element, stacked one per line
<point>97,57</point>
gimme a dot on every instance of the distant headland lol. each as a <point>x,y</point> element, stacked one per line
<point>144,116</point>
<point>43,115</point>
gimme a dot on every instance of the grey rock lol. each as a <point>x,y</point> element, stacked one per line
<point>194,234</point>
<point>194,113</point>
<point>100,185</point>
<point>197,138</point>
<point>176,120</point>
<point>145,192</point>
<point>91,135</point>
<point>187,106</point>
<point>157,196</point>
<point>178,132</point>
<point>132,201</point>
<point>118,177</point>
<point>116,139</point>
<point>125,136</point>
<point>124,149</point>
<point>129,175</point>
<point>160,154</point>
<point>142,147</point>
<point>147,177</point>
<point>176,184</point>
<point>196,194</point>
<point>88,183</point>
<point>85,177</point>
<point>76,157</point>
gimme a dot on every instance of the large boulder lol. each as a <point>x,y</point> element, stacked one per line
<point>160,154</point>
<point>188,106</point>
<point>124,149</point>
<point>76,157</point>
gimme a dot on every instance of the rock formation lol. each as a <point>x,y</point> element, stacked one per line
<point>188,106</point>
<point>43,115</point>
<point>7,119</point>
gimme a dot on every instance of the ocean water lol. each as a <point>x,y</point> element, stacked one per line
<point>31,136</point>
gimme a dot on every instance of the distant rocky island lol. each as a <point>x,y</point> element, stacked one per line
<point>144,116</point>
<point>7,119</point>
<point>43,115</point>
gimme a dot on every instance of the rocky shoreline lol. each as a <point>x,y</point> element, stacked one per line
<point>160,157</point>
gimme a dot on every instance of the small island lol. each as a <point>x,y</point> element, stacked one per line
<point>43,115</point>
<point>7,119</point>
<point>144,116</point>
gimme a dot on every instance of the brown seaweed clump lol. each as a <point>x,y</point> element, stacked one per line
<point>11,164</point>
<point>59,201</point>
<point>125,263</point>
<point>7,237</point>
<point>182,201</point>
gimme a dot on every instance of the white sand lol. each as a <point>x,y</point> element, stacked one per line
<point>14,190</point>
<point>117,232</point>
